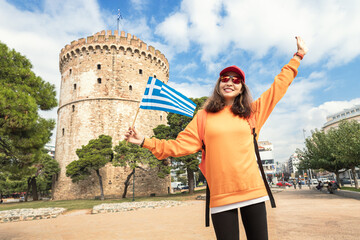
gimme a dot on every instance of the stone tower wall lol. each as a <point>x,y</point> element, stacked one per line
<point>103,79</point>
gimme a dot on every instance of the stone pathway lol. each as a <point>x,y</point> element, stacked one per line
<point>300,214</point>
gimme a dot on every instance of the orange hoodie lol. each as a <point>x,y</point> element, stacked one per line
<point>231,168</point>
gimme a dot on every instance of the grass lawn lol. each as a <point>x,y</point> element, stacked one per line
<point>89,204</point>
<point>350,189</point>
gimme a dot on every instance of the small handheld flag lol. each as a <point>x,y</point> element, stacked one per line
<point>159,96</point>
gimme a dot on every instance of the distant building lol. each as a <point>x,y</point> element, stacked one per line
<point>267,158</point>
<point>333,121</point>
<point>293,163</point>
<point>50,150</point>
<point>347,114</point>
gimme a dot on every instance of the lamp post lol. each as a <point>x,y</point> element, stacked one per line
<point>309,168</point>
<point>134,186</point>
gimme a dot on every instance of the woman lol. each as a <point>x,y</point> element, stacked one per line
<point>231,168</point>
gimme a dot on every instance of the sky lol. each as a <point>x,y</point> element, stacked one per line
<point>201,37</point>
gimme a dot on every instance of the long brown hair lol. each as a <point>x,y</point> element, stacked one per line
<point>241,106</point>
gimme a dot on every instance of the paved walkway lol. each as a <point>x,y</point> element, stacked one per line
<point>300,214</point>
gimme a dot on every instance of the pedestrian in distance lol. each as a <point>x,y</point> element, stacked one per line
<point>299,182</point>
<point>319,186</point>
<point>230,169</point>
<point>294,183</point>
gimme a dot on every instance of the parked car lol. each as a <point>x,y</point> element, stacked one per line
<point>284,184</point>
<point>314,181</point>
<point>324,180</point>
<point>182,186</point>
<point>346,181</point>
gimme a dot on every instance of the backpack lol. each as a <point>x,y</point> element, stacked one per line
<point>201,122</point>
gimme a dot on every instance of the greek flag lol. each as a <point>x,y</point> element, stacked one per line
<point>159,96</point>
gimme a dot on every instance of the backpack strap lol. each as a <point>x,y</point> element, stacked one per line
<point>252,122</point>
<point>201,122</point>
<point>272,200</point>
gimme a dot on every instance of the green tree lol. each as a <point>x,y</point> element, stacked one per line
<point>319,153</point>
<point>49,168</point>
<point>347,137</point>
<point>176,124</point>
<point>127,154</point>
<point>22,132</point>
<point>92,157</point>
<point>9,185</point>
<point>39,175</point>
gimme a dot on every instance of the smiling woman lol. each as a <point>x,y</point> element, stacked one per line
<point>229,164</point>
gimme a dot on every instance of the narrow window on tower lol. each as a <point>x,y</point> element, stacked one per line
<point>63,131</point>
<point>75,86</point>
<point>70,71</point>
<point>140,71</point>
<point>130,87</point>
<point>154,76</point>
<point>73,107</point>
<point>160,118</point>
<point>99,80</point>
<point>99,66</point>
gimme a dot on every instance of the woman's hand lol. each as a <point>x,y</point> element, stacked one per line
<point>132,136</point>
<point>301,46</point>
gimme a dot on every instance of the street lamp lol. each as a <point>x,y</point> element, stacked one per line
<point>305,143</point>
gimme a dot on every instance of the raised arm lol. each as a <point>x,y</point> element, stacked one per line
<point>264,105</point>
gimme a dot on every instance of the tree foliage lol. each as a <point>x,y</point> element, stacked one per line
<point>23,133</point>
<point>348,145</point>
<point>337,149</point>
<point>131,155</point>
<point>176,124</point>
<point>92,157</point>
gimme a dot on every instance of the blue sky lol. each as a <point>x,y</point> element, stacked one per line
<point>200,37</point>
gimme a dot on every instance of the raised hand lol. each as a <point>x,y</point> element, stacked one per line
<point>301,46</point>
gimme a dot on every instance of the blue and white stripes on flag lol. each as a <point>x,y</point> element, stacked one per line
<point>159,96</point>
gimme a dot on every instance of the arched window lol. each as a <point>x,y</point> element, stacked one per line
<point>74,86</point>
<point>99,80</point>
<point>99,66</point>
<point>154,76</point>
<point>73,108</point>
<point>130,87</point>
<point>160,117</point>
<point>70,71</point>
<point>140,71</point>
<point>63,131</point>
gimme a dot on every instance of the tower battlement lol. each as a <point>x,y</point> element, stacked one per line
<point>110,42</point>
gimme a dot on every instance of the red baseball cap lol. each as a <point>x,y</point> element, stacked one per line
<point>235,69</point>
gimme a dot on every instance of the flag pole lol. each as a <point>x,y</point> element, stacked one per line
<point>135,117</point>
<point>133,123</point>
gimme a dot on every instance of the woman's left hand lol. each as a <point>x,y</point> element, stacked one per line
<point>301,46</point>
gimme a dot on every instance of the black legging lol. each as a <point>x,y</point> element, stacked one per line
<point>226,224</point>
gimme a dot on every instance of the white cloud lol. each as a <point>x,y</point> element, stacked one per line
<point>40,34</point>
<point>175,32</point>
<point>139,4</point>
<point>330,28</point>
<point>194,90</point>
<point>182,68</point>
